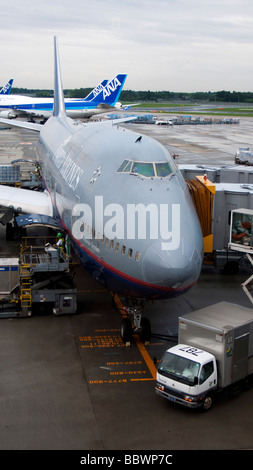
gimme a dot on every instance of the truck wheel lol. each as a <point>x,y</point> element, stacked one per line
<point>207,403</point>
<point>126,330</point>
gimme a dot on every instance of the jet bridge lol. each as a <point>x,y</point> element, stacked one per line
<point>216,191</point>
<point>241,240</point>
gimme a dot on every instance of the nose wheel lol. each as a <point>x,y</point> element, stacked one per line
<point>140,325</point>
<point>126,330</point>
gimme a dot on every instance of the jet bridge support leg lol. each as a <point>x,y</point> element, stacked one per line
<point>248,284</point>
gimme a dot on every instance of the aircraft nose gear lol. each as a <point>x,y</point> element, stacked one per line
<point>140,325</point>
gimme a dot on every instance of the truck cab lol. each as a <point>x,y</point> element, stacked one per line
<point>187,375</point>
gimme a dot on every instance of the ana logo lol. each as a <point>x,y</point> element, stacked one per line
<point>111,87</point>
<point>6,88</point>
<point>98,90</point>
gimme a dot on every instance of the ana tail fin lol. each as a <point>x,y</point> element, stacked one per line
<point>92,95</point>
<point>7,88</point>
<point>59,103</point>
<point>111,91</point>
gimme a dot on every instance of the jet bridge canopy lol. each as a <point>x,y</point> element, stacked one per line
<point>202,192</point>
<point>241,230</point>
<point>241,239</point>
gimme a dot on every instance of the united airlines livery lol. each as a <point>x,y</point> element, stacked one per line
<point>123,202</point>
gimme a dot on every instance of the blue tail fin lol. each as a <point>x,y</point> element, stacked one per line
<point>111,92</point>
<point>7,88</point>
<point>92,95</point>
<point>59,103</point>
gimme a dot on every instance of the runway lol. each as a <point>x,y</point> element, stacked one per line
<point>69,383</point>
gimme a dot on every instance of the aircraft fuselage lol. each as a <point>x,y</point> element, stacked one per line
<point>125,205</point>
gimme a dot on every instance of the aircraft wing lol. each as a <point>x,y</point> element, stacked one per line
<point>23,124</point>
<point>32,113</point>
<point>25,201</point>
<point>112,122</point>
<point>116,121</point>
<point>128,106</point>
<point>125,107</point>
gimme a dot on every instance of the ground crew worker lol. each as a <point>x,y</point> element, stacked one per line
<point>67,245</point>
<point>60,244</point>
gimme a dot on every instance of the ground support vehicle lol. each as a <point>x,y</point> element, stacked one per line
<point>214,354</point>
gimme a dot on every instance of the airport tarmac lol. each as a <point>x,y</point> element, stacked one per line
<point>201,144</point>
<point>69,383</point>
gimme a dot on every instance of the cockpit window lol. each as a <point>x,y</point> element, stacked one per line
<point>125,166</point>
<point>143,169</point>
<point>163,169</point>
<point>147,169</point>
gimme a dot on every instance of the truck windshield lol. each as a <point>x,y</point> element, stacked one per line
<point>179,368</point>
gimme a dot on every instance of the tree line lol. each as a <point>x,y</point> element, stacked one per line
<point>155,96</point>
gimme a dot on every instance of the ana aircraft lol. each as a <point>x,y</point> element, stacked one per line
<point>7,88</point>
<point>102,99</point>
<point>123,202</point>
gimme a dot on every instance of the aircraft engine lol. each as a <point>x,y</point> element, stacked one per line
<point>7,114</point>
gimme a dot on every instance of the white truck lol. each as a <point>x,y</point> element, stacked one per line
<point>215,352</point>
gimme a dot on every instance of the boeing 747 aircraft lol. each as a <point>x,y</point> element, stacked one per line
<point>102,99</point>
<point>123,202</point>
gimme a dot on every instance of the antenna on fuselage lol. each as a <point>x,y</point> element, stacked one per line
<point>59,103</point>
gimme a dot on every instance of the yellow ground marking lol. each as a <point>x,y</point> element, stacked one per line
<point>140,345</point>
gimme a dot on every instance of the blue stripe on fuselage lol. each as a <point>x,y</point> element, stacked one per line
<point>49,106</point>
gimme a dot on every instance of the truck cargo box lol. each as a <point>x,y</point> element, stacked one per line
<point>226,331</point>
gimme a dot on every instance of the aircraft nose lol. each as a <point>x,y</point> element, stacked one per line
<point>173,268</point>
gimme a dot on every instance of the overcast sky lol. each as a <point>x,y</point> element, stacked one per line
<point>176,45</point>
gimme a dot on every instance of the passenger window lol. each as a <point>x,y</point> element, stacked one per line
<point>123,249</point>
<point>206,371</point>
<point>117,247</point>
<point>130,252</point>
<point>137,256</point>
